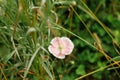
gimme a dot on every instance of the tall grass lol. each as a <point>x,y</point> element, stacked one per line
<point>27,26</point>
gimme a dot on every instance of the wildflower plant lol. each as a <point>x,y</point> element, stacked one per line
<point>59,40</point>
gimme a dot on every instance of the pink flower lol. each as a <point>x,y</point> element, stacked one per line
<point>60,47</point>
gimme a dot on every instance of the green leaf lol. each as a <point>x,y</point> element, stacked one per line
<point>80,70</point>
<point>92,57</point>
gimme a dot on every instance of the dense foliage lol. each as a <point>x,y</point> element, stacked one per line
<point>27,27</point>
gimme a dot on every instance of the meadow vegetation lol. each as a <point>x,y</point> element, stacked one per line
<point>28,26</point>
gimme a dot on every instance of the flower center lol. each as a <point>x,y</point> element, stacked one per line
<point>60,47</point>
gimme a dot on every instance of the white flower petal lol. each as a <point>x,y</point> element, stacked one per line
<point>60,47</point>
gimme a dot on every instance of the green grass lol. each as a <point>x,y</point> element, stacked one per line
<point>27,27</point>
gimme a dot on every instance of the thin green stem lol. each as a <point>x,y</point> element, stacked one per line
<point>30,63</point>
<point>93,15</point>
<point>3,73</point>
<point>75,35</point>
<point>83,22</point>
<point>100,69</point>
